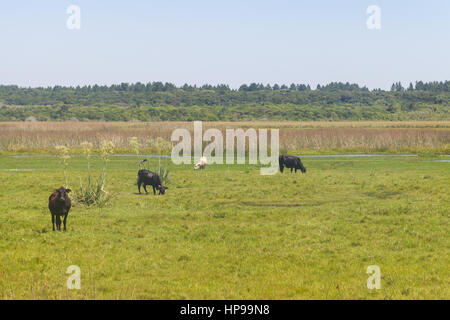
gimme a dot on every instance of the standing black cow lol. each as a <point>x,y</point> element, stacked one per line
<point>292,163</point>
<point>59,205</point>
<point>148,178</point>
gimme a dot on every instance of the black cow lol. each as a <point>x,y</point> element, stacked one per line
<point>59,205</point>
<point>148,178</point>
<point>292,163</point>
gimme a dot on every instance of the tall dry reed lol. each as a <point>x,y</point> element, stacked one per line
<point>369,136</point>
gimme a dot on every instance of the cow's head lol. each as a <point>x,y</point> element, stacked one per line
<point>62,192</point>
<point>303,169</point>
<point>162,189</point>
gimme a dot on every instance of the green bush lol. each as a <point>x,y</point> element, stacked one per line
<point>93,192</point>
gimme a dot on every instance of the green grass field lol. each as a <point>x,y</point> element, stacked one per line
<point>229,233</point>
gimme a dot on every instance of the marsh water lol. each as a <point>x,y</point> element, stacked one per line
<point>301,156</point>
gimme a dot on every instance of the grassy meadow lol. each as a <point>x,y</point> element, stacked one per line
<point>228,232</point>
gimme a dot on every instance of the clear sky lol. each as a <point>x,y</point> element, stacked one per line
<point>228,41</point>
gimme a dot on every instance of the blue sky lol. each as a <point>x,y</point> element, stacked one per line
<point>233,42</point>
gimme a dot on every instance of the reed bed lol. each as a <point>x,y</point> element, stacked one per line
<point>364,139</point>
<point>294,136</point>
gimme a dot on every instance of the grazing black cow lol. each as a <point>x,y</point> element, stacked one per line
<point>148,178</point>
<point>59,205</point>
<point>292,163</point>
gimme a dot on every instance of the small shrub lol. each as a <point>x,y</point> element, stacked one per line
<point>164,174</point>
<point>93,192</point>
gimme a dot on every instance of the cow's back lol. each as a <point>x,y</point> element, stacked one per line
<point>145,175</point>
<point>289,161</point>
<point>148,177</point>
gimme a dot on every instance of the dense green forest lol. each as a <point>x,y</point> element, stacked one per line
<point>165,101</point>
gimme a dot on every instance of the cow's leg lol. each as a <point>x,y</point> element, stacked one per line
<point>64,221</point>
<point>154,190</point>
<point>58,222</point>
<point>139,185</point>
<point>53,222</point>
<point>145,188</point>
<point>295,170</point>
<point>291,170</point>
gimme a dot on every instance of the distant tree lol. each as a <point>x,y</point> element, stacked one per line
<point>123,87</point>
<point>393,87</point>
<point>243,87</point>
<point>253,87</point>
<point>157,86</point>
<point>397,87</point>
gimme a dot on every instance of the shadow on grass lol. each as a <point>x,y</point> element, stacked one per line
<point>385,194</point>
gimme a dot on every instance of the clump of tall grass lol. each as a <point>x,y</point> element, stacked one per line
<point>93,192</point>
<point>163,173</point>
<point>162,147</point>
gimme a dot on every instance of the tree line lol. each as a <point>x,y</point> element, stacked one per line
<point>165,101</point>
